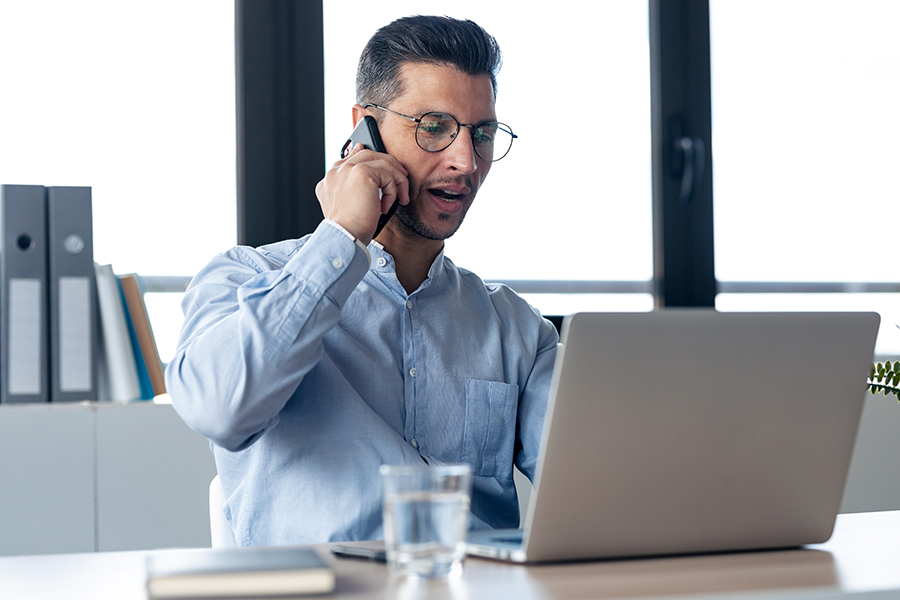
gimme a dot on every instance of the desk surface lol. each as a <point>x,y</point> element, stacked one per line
<point>863,556</point>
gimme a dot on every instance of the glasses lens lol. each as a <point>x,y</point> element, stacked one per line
<point>435,131</point>
<point>492,140</point>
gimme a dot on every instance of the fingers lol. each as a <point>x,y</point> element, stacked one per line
<point>392,176</point>
<point>360,187</point>
<point>393,192</point>
<point>394,186</point>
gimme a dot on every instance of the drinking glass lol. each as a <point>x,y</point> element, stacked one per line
<point>426,515</point>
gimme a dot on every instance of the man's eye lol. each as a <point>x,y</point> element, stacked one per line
<point>482,136</point>
<point>431,127</point>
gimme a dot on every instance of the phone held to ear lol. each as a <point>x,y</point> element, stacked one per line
<point>366,133</point>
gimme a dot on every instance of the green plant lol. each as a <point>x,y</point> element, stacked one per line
<point>885,378</point>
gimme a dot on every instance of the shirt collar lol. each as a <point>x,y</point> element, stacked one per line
<point>383,263</point>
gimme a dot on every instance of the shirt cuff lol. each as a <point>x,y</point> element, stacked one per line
<point>352,237</point>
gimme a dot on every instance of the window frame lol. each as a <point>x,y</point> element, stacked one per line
<point>281,148</point>
<point>280,100</point>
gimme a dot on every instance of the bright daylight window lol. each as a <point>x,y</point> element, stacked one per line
<point>136,100</point>
<point>805,129</point>
<point>571,204</point>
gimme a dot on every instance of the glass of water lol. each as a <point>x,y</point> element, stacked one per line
<point>426,517</point>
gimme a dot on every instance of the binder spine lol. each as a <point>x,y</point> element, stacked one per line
<point>24,373</point>
<point>73,296</point>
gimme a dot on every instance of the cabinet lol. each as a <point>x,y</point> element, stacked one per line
<point>873,483</point>
<point>101,476</point>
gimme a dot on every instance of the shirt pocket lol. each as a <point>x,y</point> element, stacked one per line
<point>490,427</point>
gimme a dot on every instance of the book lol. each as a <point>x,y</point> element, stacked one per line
<point>117,360</point>
<point>260,572</point>
<point>132,289</point>
<point>146,388</point>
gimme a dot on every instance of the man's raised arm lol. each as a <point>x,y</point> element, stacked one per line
<point>254,323</point>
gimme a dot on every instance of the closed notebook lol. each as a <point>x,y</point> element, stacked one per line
<point>266,572</point>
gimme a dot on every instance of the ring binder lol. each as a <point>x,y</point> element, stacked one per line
<point>73,296</point>
<point>23,296</point>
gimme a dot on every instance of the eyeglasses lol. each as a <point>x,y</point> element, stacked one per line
<point>435,131</point>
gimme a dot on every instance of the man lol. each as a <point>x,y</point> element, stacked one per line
<point>309,363</point>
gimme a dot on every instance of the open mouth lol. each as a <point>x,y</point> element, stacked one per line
<point>446,195</point>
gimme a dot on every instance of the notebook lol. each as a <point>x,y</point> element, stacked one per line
<point>259,572</point>
<point>693,431</point>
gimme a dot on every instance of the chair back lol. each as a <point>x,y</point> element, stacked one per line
<point>219,528</point>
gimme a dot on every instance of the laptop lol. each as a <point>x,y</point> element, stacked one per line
<point>693,431</point>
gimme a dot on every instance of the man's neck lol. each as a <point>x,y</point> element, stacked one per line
<point>413,255</point>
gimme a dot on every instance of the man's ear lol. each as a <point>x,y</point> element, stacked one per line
<point>358,113</point>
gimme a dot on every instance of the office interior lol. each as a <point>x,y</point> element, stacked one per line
<point>728,154</point>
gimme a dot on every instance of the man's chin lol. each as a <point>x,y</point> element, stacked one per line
<point>413,224</point>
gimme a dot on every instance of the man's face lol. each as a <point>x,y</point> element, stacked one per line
<point>442,185</point>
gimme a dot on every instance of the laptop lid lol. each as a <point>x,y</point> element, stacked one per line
<point>684,431</point>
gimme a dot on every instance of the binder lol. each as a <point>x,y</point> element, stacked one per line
<point>23,295</point>
<point>73,298</point>
<point>118,353</point>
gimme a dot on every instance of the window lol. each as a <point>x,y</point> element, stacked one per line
<point>805,123</point>
<point>136,100</point>
<point>570,208</point>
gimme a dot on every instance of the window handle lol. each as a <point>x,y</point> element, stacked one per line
<point>692,152</point>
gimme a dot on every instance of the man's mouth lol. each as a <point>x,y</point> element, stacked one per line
<point>446,195</point>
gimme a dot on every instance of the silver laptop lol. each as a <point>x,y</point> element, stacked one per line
<point>690,431</point>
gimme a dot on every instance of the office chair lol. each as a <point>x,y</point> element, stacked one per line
<point>219,528</point>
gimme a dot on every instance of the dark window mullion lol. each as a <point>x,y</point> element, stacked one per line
<point>280,118</point>
<point>684,273</point>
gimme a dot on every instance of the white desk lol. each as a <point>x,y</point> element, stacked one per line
<point>863,557</point>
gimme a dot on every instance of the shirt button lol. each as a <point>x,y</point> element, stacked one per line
<point>409,304</point>
<point>415,444</point>
<point>337,263</point>
<point>381,261</point>
<point>412,372</point>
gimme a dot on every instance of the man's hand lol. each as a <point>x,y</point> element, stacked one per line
<point>358,189</point>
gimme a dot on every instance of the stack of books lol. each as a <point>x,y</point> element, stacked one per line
<point>129,366</point>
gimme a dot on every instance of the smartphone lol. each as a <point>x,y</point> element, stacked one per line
<point>363,553</point>
<point>366,133</point>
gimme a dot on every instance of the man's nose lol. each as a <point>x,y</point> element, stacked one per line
<point>461,153</point>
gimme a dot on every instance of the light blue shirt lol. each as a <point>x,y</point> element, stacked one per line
<point>308,368</point>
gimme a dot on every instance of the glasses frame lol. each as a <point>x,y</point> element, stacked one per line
<point>453,137</point>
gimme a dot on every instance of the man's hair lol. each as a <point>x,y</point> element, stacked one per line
<point>423,39</point>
